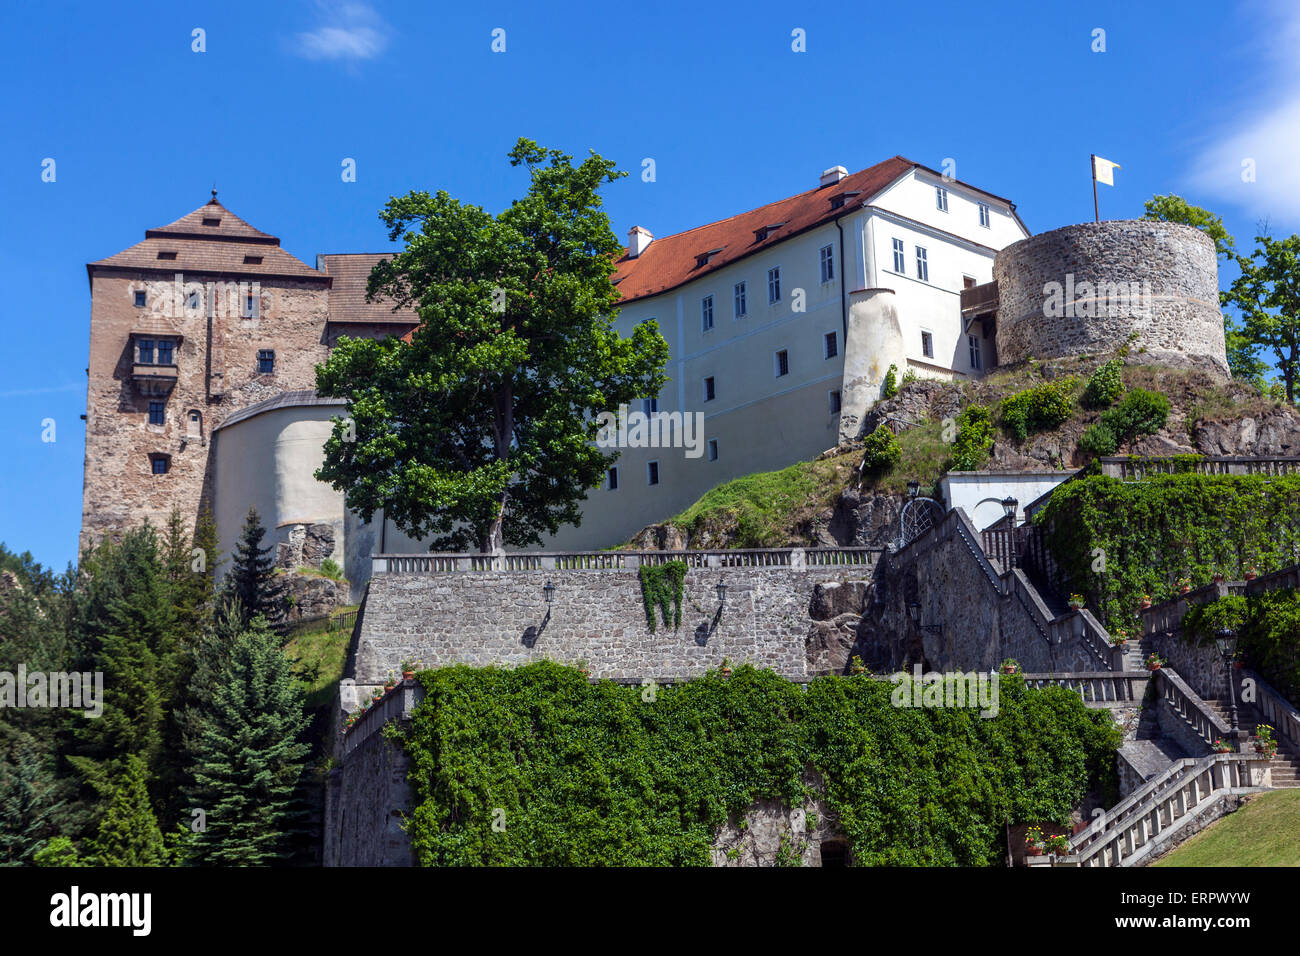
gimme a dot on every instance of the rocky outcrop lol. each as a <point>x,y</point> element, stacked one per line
<point>313,596</point>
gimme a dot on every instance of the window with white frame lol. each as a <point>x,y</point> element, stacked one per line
<point>709,393</point>
<point>774,284</point>
<point>927,344</point>
<point>900,258</point>
<point>652,472</point>
<point>974,344</point>
<point>833,399</point>
<point>984,214</point>
<point>781,362</point>
<point>739,300</point>
<point>827,257</point>
<point>941,198</point>
<point>830,345</point>
<point>611,479</point>
<point>713,449</point>
<point>922,264</point>
<point>706,313</point>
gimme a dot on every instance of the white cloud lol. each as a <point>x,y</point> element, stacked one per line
<point>1250,159</point>
<point>349,31</point>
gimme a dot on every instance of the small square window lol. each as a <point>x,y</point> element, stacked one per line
<point>831,345</point>
<point>159,464</point>
<point>738,299</point>
<point>652,473</point>
<point>713,449</point>
<point>834,401</point>
<point>826,257</point>
<point>782,361</point>
<point>927,345</point>
<point>611,480</point>
<point>941,199</point>
<point>706,313</point>
<point>156,415</point>
<point>709,393</point>
<point>139,300</point>
<point>266,362</point>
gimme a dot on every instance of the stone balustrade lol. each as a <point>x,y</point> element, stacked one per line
<point>1190,793</point>
<point>790,558</point>
<point>1277,711</point>
<point>1187,704</point>
<point>1134,468</point>
<point>1097,687</point>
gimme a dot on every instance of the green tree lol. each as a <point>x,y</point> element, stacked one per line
<point>480,430</point>
<point>128,833</point>
<point>248,758</point>
<point>253,584</point>
<point>1243,361</point>
<point>1267,293</point>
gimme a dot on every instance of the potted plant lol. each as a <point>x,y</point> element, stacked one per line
<point>1184,585</point>
<point>1265,742</point>
<point>1076,601</point>
<point>1034,841</point>
<point>1251,573</point>
<point>1119,637</point>
<point>1146,601</point>
<point>725,669</point>
<point>391,682</point>
<point>1155,661</point>
<point>1009,666</point>
<point>1220,747</point>
<point>409,667</point>
<point>1218,577</point>
<point>1057,843</point>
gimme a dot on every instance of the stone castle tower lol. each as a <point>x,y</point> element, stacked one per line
<point>206,317</point>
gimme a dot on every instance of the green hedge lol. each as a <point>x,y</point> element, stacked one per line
<point>576,773</point>
<point>1155,531</point>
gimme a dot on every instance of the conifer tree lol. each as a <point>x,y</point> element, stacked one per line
<point>128,833</point>
<point>253,580</point>
<point>248,758</point>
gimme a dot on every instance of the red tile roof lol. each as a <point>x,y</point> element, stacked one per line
<point>226,245</point>
<point>348,304</point>
<point>674,260</point>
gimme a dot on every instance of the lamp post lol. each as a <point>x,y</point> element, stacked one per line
<point>1226,641</point>
<point>549,589</point>
<point>1009,506</point>
<point>722,592</point>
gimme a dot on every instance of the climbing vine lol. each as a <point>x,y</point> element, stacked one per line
<point>539,766</point>
<point>1115,541</point>
<point>1266,625</point>
<point>661,585</point>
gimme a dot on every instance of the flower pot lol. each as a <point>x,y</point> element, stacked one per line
<point>1184,590</point>
<point>1145,605</point>
<point>725,672</point>
<point>1251,575</point>
<point>1153,667</point>
<point>1218,579</point>
<point>408,675</point>
<point>1033,851</point>
<point>1008,670</point>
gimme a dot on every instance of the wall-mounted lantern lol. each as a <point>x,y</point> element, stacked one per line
<point>549,588</point>
<point>914,612</point>
<point>1009,506</point>
<point>913,488</point>
<point>722,592</point>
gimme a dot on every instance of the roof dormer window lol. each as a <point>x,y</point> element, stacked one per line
<point>703,258</point>
<point>252,260</point>
<point>764,231</point>
<point>211,221</point>
<point>167,254</point>
<point>838,200</point>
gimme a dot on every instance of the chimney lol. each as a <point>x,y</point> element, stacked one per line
<point>833,175</point>
<point>638,240</point>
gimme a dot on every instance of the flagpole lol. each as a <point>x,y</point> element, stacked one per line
<point>1096,216</point>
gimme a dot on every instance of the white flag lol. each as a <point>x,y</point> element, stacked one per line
<point>1103,170</point>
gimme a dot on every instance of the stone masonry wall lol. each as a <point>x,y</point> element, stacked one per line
<point>501,617</point>
<point>216,374</point>
<point>366,800</point>
<point>1176,321</point>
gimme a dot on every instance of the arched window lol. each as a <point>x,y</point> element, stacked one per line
<point>194,424</point>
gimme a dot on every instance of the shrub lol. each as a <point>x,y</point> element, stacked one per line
<point>1140,412</point>
<point>330,568</point>
<point>974,438</point>
<point>1105,385</point>
<point>910,376</point>
<point>881,450</point>
<point>1203,621</point>
<point>1098,440</point>
<point>1041,407</point>
<point>890,388</point>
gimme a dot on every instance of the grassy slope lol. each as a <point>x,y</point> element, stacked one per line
<point>1264,832</point>
<point>771,509</point>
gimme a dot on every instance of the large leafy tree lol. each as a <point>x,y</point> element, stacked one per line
<point>1243,361</point>
<point>479,431</point>
<point>248,756</point>
<point>1267,293</point>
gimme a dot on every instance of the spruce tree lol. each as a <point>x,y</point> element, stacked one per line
<point>248,758</point>
<point>253,580</point>
<point>128,833</point>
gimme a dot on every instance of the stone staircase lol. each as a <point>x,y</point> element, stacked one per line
<point>1285,768</point>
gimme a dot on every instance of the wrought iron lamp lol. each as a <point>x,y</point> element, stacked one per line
<point>549,588</point>
<point>1226,641</point>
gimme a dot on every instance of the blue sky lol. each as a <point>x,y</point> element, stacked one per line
<point>140,126</point>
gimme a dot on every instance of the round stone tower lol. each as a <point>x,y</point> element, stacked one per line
<point>1089,288</point>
